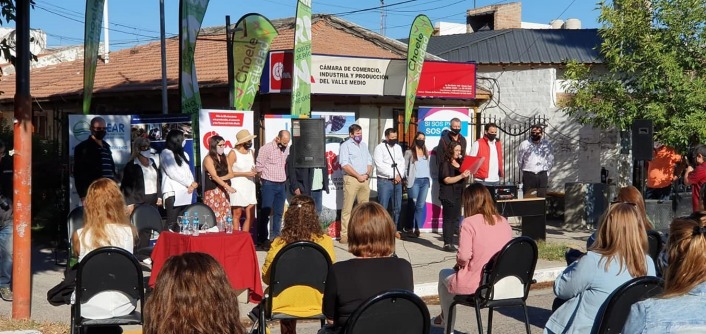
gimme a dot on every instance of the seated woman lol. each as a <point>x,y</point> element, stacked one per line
<point>375,269</point>
<point>192,295</point>
<point>301,223</point>
<point>484,232</point>
<point>106,223</point>
<point>680,307</point>
<point>618,255</point>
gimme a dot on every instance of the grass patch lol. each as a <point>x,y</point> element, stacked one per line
<point>44,327</point>
<point>551,251</point>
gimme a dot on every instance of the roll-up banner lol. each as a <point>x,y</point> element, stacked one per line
<point>301,85</point>
<point>419,36</point>
<point>252,38</point>
<point>91,41</point>
<point>191,14</point>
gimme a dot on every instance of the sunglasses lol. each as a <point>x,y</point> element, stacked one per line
<point>144,148</point>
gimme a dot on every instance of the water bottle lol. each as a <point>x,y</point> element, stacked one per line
<point>187,224</point>
<point>229,224</point>
<point>195,223</point>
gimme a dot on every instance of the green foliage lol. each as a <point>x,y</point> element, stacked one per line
<point>655,53</point>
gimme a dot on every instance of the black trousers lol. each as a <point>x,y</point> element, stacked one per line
<point>450,210</point>
<point>535,181</point>
<point>172,213</point>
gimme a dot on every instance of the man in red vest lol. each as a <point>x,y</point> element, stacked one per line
<point>489,147</point>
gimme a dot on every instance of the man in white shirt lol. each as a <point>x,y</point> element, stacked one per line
<point>488,146</point>
<point>389,162</point>
<point>535,159</point>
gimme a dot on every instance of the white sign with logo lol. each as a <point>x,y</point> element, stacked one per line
<point>365,76</point>
<point>117,136</point>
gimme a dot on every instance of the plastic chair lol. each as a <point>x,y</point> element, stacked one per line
<point>506,281</point>
<point>145,218</point>
<point>74,222</point>
<point>391,312</point>
<point>654,240</point>
<point>616,308</point>
<point>202,210</point>
<point>103,269</point>
<point>299,263</point>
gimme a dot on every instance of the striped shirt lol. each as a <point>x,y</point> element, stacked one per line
<point>271,162</point>
<point>107,164</point>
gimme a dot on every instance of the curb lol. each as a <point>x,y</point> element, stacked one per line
<point>541,276</point>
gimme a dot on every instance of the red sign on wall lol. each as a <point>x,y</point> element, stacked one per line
<point>280,72</point>
<point>447,80</point>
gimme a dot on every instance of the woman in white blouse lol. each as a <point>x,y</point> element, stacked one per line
<point>176,174</point>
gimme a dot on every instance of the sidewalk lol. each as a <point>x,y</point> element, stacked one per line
<point>424,253</point>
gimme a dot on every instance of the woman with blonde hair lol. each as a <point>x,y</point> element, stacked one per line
<point>371,238</point>
<point>484,232</point>
<point>105,224</point>
<point>630,194</point>
<point>301,223</point>
<point>618,255</point>
<point>192,295</point>
<point>680,307</point>
<point>141,183</point>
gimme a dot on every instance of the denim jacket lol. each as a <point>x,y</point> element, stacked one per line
<point>682,314</point>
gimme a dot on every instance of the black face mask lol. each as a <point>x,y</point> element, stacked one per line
<point>455,131</point>
<point>392,142</point>
<point>419,142</point>
<point>247,145</point>
<point>536,137</point>
<point>99,134</point>
<point>281,147</point>
<point>491,137</point>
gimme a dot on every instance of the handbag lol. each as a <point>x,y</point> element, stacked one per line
<point>61,293</point>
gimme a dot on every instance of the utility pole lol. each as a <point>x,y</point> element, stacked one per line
<point>22,177</point>
<point>162,38</point>
<point>106,35</point>
<point>382,17</point>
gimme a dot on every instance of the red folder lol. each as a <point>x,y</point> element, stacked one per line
<point>471,164</point>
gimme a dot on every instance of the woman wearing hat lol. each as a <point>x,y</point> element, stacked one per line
<point>242,161</point>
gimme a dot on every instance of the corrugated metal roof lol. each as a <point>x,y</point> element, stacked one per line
<point>519,46</point>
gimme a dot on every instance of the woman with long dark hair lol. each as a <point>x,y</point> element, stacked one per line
<point>176,174</point>
<point>192,295</point>
<point>451,183</point>
<point>217,177</point>
<point>417,161</point>
<point>680,307</point>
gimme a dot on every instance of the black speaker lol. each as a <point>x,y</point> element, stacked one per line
<point>309,143</point>
<point>642,145</point>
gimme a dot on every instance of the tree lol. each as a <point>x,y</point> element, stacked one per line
<point>655,54</point>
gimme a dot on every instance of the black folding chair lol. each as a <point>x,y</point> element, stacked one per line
<point>616,308</point>
<point>146,219</point>
<point>299,263</point>
<point>506,281</point>
<point>74,222</point>
<point>107,269</point>
<point>201,210</point>
<point>391,312</point>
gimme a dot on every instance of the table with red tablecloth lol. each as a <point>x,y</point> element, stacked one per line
<point>235,252</point>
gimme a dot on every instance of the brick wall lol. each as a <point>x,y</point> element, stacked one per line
<point>505,16</point>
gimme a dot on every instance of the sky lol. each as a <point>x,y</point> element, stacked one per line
<point>134,22</point>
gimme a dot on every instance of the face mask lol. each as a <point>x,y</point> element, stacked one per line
<point>220,150</point>
<point>491,136</point>
<point>419,142</point>
<point>146,153</point>
<point>455,131</point>
<point>536,137</point>
<point>99,134</point>
<point>392,142</point>
<point>358,139</point>
<point>281,147</point>
<point>247,145</point>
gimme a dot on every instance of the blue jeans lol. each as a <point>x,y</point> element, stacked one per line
<point>418,199</point>
<point>5,256</point>
<point>273,196</point>
<point>388,190</point>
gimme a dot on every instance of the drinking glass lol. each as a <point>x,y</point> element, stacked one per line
<point>206,219</point>
<point>180,222</point>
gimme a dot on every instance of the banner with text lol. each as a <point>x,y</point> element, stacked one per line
<point>224,123</point>
<point>301,89</point>
<point>91,41</point>
<point>419,36</point>
<point>252,38</point>
<point>371,76</point>
<point>191,13</point>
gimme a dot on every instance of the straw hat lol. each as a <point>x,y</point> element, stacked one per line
<point>243,136</point>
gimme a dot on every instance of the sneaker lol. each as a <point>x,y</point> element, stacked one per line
<point>6,294</point>
<point>449,248</point>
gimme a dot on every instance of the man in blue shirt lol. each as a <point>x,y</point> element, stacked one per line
<point>357,164</point>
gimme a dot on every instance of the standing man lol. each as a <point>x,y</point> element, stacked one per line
<point>271,162</point>
<point>389,163</point>
<point>696,177</point>
<point>93,158</point>
<point>6,221</point>
<point>453,135</point>
<point>489,147</point>
<point>662,171</point>
<point>535,159</point>
<point>307,181</point>
<point>357,164</point>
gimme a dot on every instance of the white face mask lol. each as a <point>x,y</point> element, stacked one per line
<point>220,150</point>
<point>146,153</point>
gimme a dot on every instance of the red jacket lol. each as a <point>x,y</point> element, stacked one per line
<point>484,151</point>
